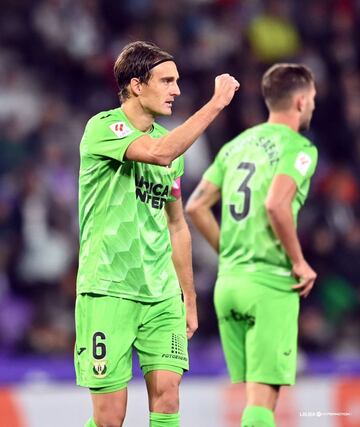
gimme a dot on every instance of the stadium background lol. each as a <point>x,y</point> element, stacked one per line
<point>56,61</point>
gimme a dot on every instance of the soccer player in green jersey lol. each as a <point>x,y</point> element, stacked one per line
<point>135,285</point>
<point>262,177</point>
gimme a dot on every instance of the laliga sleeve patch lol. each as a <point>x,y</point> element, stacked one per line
<point>302,163</point>
<point>120,129</point>
<point>176,188</point>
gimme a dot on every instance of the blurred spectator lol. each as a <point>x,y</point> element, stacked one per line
<point>273,35</point>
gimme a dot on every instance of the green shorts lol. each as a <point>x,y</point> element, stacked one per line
<point>107,329</point>
<point>258,329</point>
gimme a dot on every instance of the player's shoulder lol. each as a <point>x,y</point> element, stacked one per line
<point>301,142</point>
<point>304,140</point>
<point>110,122</point>
<point>108,117</point>
<point>235,144</point>
<point>158,130</point>
<point>305,153</point>
<point>178,166</point>
<point>105,116</point>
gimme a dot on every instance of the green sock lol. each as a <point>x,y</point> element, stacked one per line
<point>164,420</point>
<point>90,423</point>
<point>257,416</point>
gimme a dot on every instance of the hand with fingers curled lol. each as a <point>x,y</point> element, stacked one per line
<point>225,88</point>
<point>191,315</point>
<point>306,276</point>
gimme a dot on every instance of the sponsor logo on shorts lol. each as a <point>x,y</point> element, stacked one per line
<point>100,368</point>
<point>287,353</point>
<point>174,356</point>
<point>178,342</point>
<point>238,317</point>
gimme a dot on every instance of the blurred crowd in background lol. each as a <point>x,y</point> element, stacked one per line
<point>56,59</point>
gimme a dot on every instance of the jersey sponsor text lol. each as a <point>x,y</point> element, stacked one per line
<point>152,193</point>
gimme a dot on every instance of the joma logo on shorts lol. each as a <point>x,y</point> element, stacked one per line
<point>238,317</point>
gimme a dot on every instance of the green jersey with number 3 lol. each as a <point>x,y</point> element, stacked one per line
<point>244,170</point>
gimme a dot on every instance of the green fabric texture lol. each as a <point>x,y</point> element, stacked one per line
<point>244,170</point>
<point>257,416</point>
<point>164,420</point>
<point>125,248</point>
<point>157,331</point>
<point>246,312</point>
<point>90,423</point>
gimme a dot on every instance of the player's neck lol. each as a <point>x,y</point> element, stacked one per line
<point>286,119</point>
<point>137,116</point>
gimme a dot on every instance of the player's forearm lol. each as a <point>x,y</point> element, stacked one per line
<point>282,223</point>
<point>181,138</point>
<point>182,259</point>
<point>205,222</point>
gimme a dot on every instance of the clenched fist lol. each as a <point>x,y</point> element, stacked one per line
<point>225,88</point>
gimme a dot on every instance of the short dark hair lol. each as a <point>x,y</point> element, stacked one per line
<point>281,80</point>
<point>136,60</point>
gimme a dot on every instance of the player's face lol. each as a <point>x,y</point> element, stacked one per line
<point>309,107</point>
<point>159,93</point>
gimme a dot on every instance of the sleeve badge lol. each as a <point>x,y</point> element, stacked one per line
<point>120,129</point>
<point>302,163</point>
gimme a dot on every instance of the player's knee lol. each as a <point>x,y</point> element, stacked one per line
<point>167,404</point>
<point>166,398</point>
<point>264,395</point>
<point>106,418</point>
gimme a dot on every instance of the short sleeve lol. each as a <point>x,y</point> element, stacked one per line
<point>215,172</point>
<point>108,138</point>
<point>179,171</point>
<point>299,163</point>
<point>175,192</point>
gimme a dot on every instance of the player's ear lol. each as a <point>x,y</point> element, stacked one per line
<point>135,86</point>
<point>300,102</point>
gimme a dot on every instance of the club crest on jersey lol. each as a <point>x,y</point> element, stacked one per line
<point>302,163</point>
<point>120,129</point>
<point>100,368</point>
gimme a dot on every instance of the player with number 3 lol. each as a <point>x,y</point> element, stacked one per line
<point>263,178</point>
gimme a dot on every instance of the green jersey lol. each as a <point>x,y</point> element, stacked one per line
<point>244,170</point>
<point>125,247</point>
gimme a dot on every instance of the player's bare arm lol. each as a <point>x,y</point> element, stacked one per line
<point>181,255</point>
<point>278,207</point>
<point>163,151</point>
<point>199,207</point>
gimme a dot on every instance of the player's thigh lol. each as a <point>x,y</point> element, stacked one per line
<point>105,330</point>
<point>271,343</point>
<point>161,340</point>
<point>233,299</point>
